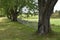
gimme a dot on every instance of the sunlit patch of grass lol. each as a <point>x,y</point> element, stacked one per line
<point>55,24</point>
<point>30,17</point>
<point>55,21</point>
<point>3,19</point>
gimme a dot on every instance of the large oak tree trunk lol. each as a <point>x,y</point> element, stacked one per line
<point>45,11</point>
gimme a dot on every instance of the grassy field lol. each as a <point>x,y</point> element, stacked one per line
<point>17,31</point>
<point>55,23</point>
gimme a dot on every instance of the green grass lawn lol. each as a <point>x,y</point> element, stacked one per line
<point>17,31</point>
<point>55,23</point>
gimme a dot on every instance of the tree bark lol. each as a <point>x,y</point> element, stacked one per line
<point>14,17</point>
<point>13,13</point>
<point>45,11</point>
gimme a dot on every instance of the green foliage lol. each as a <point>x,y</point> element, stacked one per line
<point>19,3</point>
<point>15,5</point>
<point>2,13</point>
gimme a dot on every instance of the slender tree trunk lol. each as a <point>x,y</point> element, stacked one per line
<point>45,11</point>
<point>14,17</point>
<point>14,14</point>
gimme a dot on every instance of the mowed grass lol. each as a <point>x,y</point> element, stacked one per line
<point>55,23</point>
<point>16,31</point>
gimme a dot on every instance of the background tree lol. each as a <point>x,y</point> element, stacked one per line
<point>13,7</point>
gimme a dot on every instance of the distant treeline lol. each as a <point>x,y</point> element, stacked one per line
<point>56,14</point>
